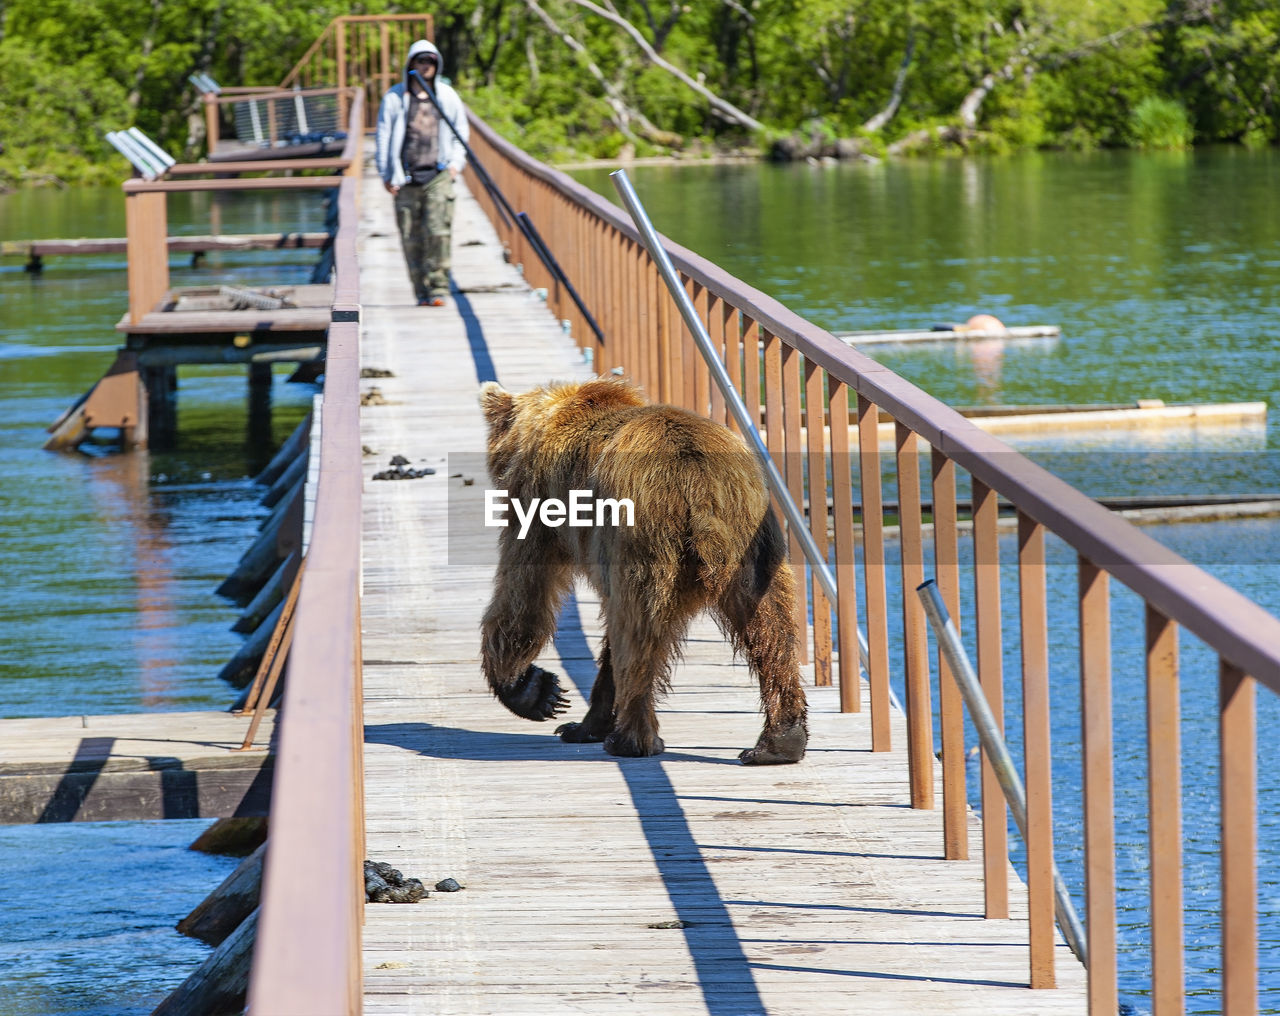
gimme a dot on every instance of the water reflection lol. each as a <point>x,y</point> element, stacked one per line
<point>120,488</point>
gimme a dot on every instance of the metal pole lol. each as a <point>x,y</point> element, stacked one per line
<point>997,752</point>
<point>733,400</point>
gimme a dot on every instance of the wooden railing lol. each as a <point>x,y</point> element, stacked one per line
<point>803,371</point>
<point>307,954</point>
<point>276,112</point>
<point>365,51</point>
<point>147,217</point>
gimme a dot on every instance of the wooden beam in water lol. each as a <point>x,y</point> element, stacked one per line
<point>176,244</point>
<point>958,333</point>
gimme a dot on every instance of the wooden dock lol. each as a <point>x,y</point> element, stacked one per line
<point>685,883</point>
<point>133,767</point>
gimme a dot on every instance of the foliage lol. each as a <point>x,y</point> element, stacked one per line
<point>1158,122</point>
<point>1001,75</point>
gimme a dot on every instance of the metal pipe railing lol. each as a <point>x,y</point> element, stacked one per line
<point>997,751</point>
<point>733,401</point>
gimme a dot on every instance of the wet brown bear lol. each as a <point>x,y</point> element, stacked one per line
<point>704,538</point>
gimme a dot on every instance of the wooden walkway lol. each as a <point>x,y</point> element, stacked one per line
<point>685,883</point>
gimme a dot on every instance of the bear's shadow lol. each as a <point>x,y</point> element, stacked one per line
<point>437,741</point>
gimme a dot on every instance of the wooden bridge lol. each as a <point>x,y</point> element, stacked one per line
<point>857,880</point>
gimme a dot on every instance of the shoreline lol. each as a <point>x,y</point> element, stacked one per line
<point>717,159</point>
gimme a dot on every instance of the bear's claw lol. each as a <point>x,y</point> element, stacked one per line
<point>578,733</point>
<point>536,695</point>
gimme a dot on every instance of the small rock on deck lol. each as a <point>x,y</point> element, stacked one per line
<point>685,883</point>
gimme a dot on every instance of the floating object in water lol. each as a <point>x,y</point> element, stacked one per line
<point>980,326</point>
<point>983,323</point>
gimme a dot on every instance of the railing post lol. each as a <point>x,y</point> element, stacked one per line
<point>846,572</point>
<point>1099,787</point>
<point>793,471</point>
<point>1239,787</point>
<point>340,55</point>
<point>1164,762</point>
<point>915,643</point>
<point>701,373</point>
<point>986,615</point>
<point>815,405</point>
<point>751,368</point>
<point>212,128</point>
<point>874,572</point>
<point>1033,611</point>
<point>946,553</point>
<point>147,247</point>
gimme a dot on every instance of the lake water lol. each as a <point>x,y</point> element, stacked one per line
<point>110,564</point>
<point>1161,270</point>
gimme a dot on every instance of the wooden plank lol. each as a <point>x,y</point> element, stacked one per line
<point>1096,747</point>
<point>1238,739</point>
<point>1164,788</point>
<point>177,244</point>
<point>948,335</point>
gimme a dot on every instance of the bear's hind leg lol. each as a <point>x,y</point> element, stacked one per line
<point>762,628</point>
<point>598,723</point>
<point>644,647</point>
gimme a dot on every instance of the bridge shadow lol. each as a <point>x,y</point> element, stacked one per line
<point>717,952</point>
<point>476,342</point>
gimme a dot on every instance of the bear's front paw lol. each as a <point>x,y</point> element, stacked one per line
<point>579,733</point>
<point>536,695</point>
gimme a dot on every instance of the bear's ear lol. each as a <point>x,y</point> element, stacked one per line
<point>498,406</point>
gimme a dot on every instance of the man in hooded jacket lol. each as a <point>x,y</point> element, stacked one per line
<point>419,158</point>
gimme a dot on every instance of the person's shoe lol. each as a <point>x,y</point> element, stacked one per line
<point>435,301</point>
<point>424,301</point>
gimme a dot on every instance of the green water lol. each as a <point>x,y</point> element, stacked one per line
<point>1161,269</point>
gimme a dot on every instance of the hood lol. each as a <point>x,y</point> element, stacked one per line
<point>422,46</point>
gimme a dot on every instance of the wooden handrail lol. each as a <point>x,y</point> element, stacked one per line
<point>360,59</point>
<point>307,954</point>
<point>276,93</point>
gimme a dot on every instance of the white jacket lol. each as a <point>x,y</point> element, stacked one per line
<point>394,112</point>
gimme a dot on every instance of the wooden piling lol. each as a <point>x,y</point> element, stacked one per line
<point>281,537</point>
<point>222,911</point>
<point>221,982</point>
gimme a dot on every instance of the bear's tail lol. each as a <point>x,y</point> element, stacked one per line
<point>717,544</point>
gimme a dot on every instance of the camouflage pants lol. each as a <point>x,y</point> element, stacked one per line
<point>424,213</point>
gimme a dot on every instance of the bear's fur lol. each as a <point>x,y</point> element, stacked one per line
<point>704,538</point>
